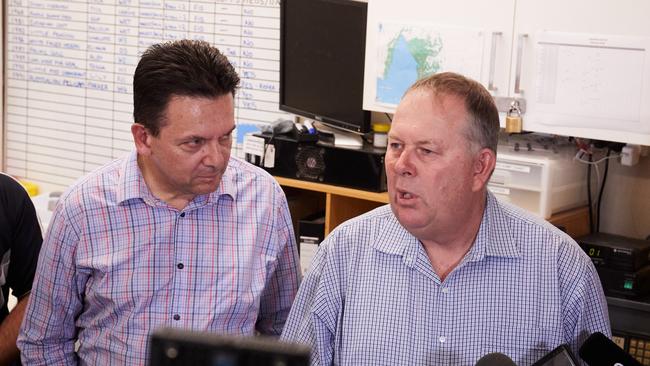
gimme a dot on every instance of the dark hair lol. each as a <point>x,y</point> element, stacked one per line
<point>180,68</point>
<point>481,109</point>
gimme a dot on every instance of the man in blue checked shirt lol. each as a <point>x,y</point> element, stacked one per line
<point>176,234</point>
<point>445,274</point>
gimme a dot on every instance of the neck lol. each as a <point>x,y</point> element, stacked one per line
<point>159,189</point>
<point>447,250</point>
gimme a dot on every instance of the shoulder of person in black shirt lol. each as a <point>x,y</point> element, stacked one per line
<point>20,244</point>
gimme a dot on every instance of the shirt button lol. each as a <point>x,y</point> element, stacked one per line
<point>445,290</point>
<point>182,214</point>
<point>442,339</point>
<point>177,317</point>
<point>180,266</point>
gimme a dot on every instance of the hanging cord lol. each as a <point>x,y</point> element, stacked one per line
<point>602,188</point>
<point>585,148</point>
<point>591,211</point>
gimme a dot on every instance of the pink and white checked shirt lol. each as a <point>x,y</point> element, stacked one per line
<point>117,263</point>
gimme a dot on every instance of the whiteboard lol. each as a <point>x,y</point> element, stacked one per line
<point>69,69</point>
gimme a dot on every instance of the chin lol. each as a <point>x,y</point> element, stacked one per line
<point>206,188</point>
<point>410,219</point>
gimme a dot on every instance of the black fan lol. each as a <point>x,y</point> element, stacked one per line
<point>310,163</point>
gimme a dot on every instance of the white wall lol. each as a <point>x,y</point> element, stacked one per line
<point>625,208</point>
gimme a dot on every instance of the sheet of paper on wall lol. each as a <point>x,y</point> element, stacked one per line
<point>407,51</point>
<point>253,149</point>
<point>591,81</point>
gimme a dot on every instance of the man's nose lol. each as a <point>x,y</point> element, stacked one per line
<point>404,163</point>
<point>214,155</point>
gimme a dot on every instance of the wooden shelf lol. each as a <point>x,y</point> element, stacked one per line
<point>336,190</point>
<point>343,203</point>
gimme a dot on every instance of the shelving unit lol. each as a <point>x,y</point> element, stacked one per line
<point>340,204</point>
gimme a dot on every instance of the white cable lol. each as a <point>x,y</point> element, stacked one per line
<point>595,164</point>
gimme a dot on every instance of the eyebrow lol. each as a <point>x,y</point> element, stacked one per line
<point>437,142</point>
<point>231,130</point>
<point>192,137</point>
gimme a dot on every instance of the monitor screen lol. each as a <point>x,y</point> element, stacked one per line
<point>322,50</point>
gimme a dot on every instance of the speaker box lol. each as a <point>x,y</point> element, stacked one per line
<point>325,163</point>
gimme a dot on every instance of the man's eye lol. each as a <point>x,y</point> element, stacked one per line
<point>194,142</point>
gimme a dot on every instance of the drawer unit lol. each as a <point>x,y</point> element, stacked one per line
<point>542,182</point>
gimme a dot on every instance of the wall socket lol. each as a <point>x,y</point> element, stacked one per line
<point>630,155</point>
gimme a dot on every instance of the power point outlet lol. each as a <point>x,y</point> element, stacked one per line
<point>630,154</point>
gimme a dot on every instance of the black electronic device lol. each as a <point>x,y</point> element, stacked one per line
<point>625,283</point>
<point>598,350</point>
<point>176,347</point>
<point>637,346</point>
<point>311,230</point>
<point>560,356</point>
<point>322,56</point>
<point>324,163</point>
<point>495,359</point>
<point>616,252</point>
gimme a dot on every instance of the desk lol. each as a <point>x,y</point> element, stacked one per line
<point>342,203</point>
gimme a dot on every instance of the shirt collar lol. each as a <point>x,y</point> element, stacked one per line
<point>493,238</point>
<point>394,239</point>
<point>131,184</point>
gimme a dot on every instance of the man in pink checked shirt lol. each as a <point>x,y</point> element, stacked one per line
<point>177,234</point>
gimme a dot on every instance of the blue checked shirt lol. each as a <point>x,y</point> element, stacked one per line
<point>372,297</point>
<point>117,263</point>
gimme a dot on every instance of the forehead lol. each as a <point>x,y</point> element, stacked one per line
<point>430,112</point>
<point>188,113</point>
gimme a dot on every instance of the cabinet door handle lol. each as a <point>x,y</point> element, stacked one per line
<point>520,51</point>
<point>493,56</point>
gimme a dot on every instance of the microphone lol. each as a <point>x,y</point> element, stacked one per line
<point>495,359</point>
<point>598,350</point>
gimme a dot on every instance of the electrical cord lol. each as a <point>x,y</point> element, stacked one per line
<point>591,213</point>
<point>602,188</point>
<point>600,184</point>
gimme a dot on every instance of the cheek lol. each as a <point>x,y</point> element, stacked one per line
<point>389,164</point>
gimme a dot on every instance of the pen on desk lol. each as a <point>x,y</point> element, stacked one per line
<point>310,127</point>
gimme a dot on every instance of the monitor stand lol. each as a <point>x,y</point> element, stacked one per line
<point>341,138</point>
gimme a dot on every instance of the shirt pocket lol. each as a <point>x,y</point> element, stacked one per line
<point>524,344</point>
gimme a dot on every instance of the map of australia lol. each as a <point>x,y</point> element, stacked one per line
<point>406,53</point>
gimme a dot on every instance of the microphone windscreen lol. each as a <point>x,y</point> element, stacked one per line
<point>495,359</point>
<point>598,350</point>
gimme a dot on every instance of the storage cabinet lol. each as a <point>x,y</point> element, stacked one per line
<point>583,68</point>
<point>577,68</point>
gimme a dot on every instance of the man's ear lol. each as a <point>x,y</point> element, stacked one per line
<point>142,139</point>
<point>484,163</point>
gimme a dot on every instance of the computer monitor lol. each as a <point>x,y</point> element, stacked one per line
<point>322,50</point>
<point>176,347</point>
